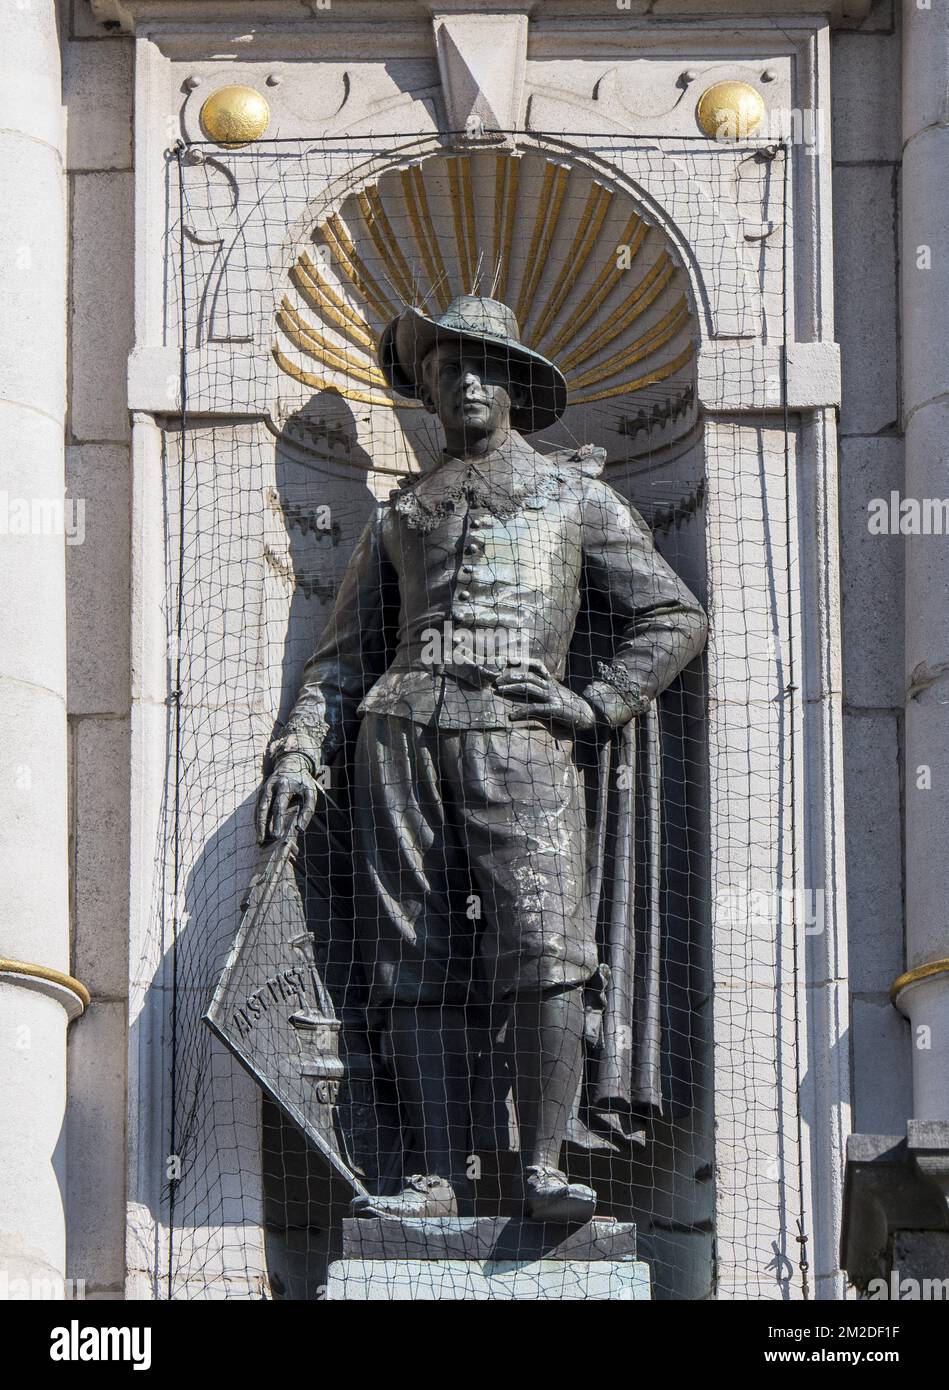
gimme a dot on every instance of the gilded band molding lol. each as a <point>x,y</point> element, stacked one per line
<point>46,972</point>
<point>920,972</point>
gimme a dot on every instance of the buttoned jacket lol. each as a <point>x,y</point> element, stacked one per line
<point>472,568</point>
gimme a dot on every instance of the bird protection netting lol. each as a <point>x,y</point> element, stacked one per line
<point>454,490</point>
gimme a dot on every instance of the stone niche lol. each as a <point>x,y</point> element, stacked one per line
<point>556,160</point>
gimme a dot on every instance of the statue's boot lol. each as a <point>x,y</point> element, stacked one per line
<point>422,1196</point>
<point>550,1196</point>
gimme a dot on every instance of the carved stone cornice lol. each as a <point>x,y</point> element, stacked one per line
<point>246,15</point>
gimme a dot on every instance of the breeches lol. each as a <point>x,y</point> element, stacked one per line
<point>470,880</point>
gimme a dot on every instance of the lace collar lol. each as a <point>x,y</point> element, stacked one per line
<point>503,483</point>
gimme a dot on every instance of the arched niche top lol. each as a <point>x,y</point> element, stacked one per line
<point>594,279</point>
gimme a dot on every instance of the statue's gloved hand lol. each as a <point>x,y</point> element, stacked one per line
<point>290,792</point>
<point>544,698</point>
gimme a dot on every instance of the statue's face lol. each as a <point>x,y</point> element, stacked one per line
<point>471,394</point>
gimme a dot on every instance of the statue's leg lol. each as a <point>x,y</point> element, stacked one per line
<point>429,1058</point>
<point>413,945</point>
<point>522,801</point>
<point>429,1050</point>
<point>548,1051</point>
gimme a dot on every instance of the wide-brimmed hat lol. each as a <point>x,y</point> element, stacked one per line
<point>489,327</point>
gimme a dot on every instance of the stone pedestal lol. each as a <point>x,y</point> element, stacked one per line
<point>458,1258</point>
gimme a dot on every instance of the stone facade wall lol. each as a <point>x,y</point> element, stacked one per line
<point>98,95</point>
<point>865,114</point>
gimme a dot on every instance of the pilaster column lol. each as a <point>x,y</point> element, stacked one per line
<point>37,996</point>
<point>923,992</point>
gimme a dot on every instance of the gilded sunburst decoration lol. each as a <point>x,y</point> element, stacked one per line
<point>593,284</point>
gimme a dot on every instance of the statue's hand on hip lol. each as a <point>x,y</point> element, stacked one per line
<point>289,793</point>
<point>544,698</point>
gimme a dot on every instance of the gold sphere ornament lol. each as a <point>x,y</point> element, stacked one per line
<point>730,110</point>
<point>234,116</point>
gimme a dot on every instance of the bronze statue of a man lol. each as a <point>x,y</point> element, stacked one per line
<point>449,645</point>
